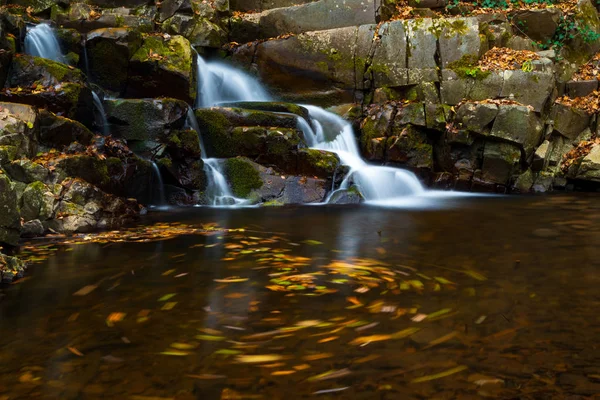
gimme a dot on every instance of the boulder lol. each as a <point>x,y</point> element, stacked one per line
<point>19,129</point>
<point>539,25</point>
<point>59,132</point>
<point>458,38</point>
<point>500,162</point>
<point>569,121</point>
<point>85,208</point>
<point>162,67</point>
<point>260,5</point>
<point>182,159</point>
<point>142,121</point>
<point>519,125</point>
<point>242,176</point>
<point>10,224</point>
<point>31,72</point>
<point>91,169</point>
<point>389,63</point>
<point>589,170</point>
<point>27,171</point>
<point>10,267</point>
<point>528,88</point>
<point>476,117</point>
<point>109,51</point>
<point>409,146</point>
<point>318,163</point>
<point>71,100</point>
<point>5,63</point>
<point>317,16</point>
<point>84,18</point>
<point>37,202</point>
<point>422,50</point>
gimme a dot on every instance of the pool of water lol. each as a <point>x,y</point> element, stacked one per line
<point>485,298</point>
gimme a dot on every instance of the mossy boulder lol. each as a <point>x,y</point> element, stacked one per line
<point>91,169</point>
<point>409,146</point>
<point>500,162</point>
<point>109,51</point>
<point>5,63</point>
<point>71,100</point>
<point>29,71</point>
<point>9,212</point>
<point>10,267</point>
<point>19,128</point>
<point>145,120</point>
<point>162,67</point>
<point>37,202</point>
<point>273,106</point>
<point>242,176</point>
<point>59,132</point>
<point>37,6</point>
<point>318,163</point>
<point>519,125</point>
<point>27,171</point>
<point>475,117</point>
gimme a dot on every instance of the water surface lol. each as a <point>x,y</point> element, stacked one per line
<point>489,297</point>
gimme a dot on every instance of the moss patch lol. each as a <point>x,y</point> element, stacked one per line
<point>242,176</point>
<point>468,67</point>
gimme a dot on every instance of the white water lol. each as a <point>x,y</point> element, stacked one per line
<point>377,184</point>
<point>41,41</point>
<point>162,201</point>
<point>101,113</point>
<point>221,83</point>
<point>218,192</point>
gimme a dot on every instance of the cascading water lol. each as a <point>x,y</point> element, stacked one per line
<point>377,184</point>
<point>100,114</point>
<point>221,83</point>
<point>41,41</point>
<point>161,201</point>
<point>218,192</point>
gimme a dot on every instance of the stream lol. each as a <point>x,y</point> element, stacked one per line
<point>472,297</point>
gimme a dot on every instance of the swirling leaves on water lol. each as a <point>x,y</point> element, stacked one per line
<point>259,358</point>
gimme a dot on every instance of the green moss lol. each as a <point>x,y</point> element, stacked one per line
<point>322,160</point>
<point>113,74</point>
<point>468,67</point>
<point>242,176</point>
<point>72,58</point>
<point>58,70</point>
<point>119,20</point>
<point>216,127</point>
<point>174,54</point>
<point>165,162</point>
<point>273,203</point>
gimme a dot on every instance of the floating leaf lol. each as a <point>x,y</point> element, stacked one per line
<point>228,352</point>
<point>439,313</point>
<point>449,372</point>
<point>174,353</point>
<point>281,373</point>
<point>210,338</point>
<point>75,351</point>
<point>312,242</point>
<point>84,291</point>
<point>443,281</point>
<point>475,275</point>
<point>167,296</point>
<point>233,279</point>
<point>442,339</point>
<point>182,346</point>
<point>169,306</point>
<point>330,375</point>
<point>259,358</point>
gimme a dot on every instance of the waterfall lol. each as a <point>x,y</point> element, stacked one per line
<point>101,114</point>
<point>377,184</point>
<point>218,192</point>
<point>41,41</point>
<point>162,202</point>
<point>220,83</point>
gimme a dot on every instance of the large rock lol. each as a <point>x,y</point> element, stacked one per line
<point>10,224</point>
<point>589,170</point>
<point>529,88</point>
<point>31,72</point>
<point>260,5</point>
<point>19,129</point>
<point>144,120</point>
<point>162,67</point>
<point>458,38</point>
<point>109,51</point>
<point>539,25</point>
<point>84,208</point>
<point>569,121</point>
<point>519,125</point>
<point>410,146</point>
<point>476,117</point>
<point>37,202</point>
<point>422,50</point>
<point>59,132</point>
<point>84,17</point>
<point>500,162</point>
<point>389,63</point>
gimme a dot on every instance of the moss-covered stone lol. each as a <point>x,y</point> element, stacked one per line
<point>9,212</point>
<point>29,71</point>
<point>37,202</point>
<point>468,67</point>
<point>319,163</point>
<point>91,169</point>
<point>242,176</point>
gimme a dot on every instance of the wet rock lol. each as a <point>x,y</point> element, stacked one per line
<point>500,162</point>
<point>30,71</point>
<point>162,67</point>
<point>543,182</point>
<point>518,124</point>
<point>243,176</point>
<point>109,51</point>
<point>524,182</point>
<point>59,132</point>
<point>318,163</point>
<point>409,146</point>
<point>10,225</point>
<point>32,229</point>
<point>10,267</point>
<point>346,196</point>
<point>144,120</point>
<point>272,106</point>
<point>84,208</point>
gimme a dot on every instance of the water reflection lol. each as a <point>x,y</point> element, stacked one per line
<point>507,307</point>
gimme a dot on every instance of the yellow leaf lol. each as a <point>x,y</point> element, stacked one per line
<point>449,372</point>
